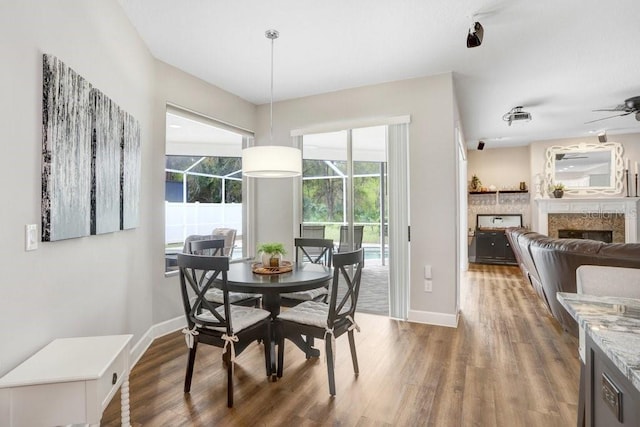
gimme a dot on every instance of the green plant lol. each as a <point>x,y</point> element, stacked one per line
<point>558,186</point>
<point>272,249</point>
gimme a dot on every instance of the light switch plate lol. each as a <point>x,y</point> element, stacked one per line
<point>31,237</point>
<point>427,272</point>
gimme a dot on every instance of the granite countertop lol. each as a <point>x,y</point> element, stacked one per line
<point>613,324</point>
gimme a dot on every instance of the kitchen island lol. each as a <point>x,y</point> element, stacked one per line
<point>612,365</point>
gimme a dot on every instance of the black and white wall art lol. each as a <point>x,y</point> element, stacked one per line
<point>130,172</point>
<point>66,152</point>
<point>90,158</point>
<point>105,190</point>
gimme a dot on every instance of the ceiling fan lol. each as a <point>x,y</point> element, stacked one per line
<point>630,106</point>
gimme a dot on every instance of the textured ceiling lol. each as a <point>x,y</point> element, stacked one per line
<point>558,59</point>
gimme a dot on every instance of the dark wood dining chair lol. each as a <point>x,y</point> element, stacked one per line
<point>316,251</point>
<point>327,321</point>
<point>230,327</point>
<point>216,247</point>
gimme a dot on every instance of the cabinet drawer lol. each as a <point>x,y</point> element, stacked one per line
<point>112,378</point>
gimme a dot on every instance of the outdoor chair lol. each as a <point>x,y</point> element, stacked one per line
<point>313,231</point>
<point>358,232</point>
<point>228,326</point>
<point>327,321</point>
<point>229,236</point>
<point>316,251</point>
<point>343,245</point>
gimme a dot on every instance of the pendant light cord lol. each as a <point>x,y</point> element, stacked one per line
<point>271,105</point>
<point>271,34</point>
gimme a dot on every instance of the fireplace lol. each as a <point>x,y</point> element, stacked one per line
<point>605,236</point>
<point>610,224</point>
<point>616,214</point>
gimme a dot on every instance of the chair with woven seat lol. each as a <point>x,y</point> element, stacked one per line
<point>316,251</point>
<point>327,321</point>
<point>216,247</point>
<point>230,327</point>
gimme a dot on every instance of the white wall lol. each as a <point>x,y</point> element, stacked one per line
<point>504,168</point>
<point>98,285</point>
<point>501,167</point>
<point>430,103</point>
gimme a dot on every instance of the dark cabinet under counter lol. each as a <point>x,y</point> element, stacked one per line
<point>492,247</point>
<point>611,399</point>
<point>490,244</point>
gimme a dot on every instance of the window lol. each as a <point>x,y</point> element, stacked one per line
<point>203,181</point>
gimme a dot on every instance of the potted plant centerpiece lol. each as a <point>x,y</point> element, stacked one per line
<point>271,254</point>
<point>558,190</point>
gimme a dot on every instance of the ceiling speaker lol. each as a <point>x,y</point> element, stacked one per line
<point>480,145</point>
<point>474,38</point>
<point>602,137</point>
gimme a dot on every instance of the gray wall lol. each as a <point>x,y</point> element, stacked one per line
<point>114,283</point>
<point>98,285</point>
<point>430,102</point>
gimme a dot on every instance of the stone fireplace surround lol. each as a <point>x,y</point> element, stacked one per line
<point>619,214</point>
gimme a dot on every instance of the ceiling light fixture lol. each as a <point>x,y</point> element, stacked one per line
<point>476,32</point>
<point>516,115</point>
<point>271,161</point>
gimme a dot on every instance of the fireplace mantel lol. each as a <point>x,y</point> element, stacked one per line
<point>620,205</point>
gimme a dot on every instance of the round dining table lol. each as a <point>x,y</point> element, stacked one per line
<point>303,277</point>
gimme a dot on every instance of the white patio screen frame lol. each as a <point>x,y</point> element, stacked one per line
<point>248,188</point>
<point>398,181</point>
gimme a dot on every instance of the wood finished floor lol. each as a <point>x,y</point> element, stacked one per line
<point>507,364</point>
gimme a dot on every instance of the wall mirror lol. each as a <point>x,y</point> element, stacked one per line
<point>585,169</point>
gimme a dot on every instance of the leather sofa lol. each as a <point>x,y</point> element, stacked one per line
<point>550,264</point>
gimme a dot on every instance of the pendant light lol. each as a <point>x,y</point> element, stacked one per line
<point>271,161</point>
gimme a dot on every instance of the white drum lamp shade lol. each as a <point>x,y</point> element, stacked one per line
<point>271,161</point>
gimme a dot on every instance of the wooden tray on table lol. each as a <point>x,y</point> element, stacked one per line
<point>259,268</point>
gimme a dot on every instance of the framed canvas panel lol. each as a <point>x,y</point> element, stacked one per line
<point>105,189</point>
<point>130,172</point>
<point>66,152</point>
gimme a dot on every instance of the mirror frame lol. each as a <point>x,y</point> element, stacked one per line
<point>616,162</point>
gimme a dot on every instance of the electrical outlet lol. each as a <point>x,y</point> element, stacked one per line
<point>428,285</point>
<point>31,237</point>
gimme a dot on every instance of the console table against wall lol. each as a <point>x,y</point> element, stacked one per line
<point>69,381</point>
<point>596,206</point>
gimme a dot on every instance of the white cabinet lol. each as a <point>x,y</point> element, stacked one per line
<point>69,381</point>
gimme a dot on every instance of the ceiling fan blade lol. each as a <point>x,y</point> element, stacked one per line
<point>610,117</point>
<point>612,109</point>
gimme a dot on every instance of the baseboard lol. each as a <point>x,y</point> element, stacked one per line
<point>433,318</point>
<point>155,331</point>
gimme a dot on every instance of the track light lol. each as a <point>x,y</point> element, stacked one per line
<point>480,145</point>
<point>474,38</point>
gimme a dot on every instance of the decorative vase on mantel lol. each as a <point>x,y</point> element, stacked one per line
<point>558,194</point>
